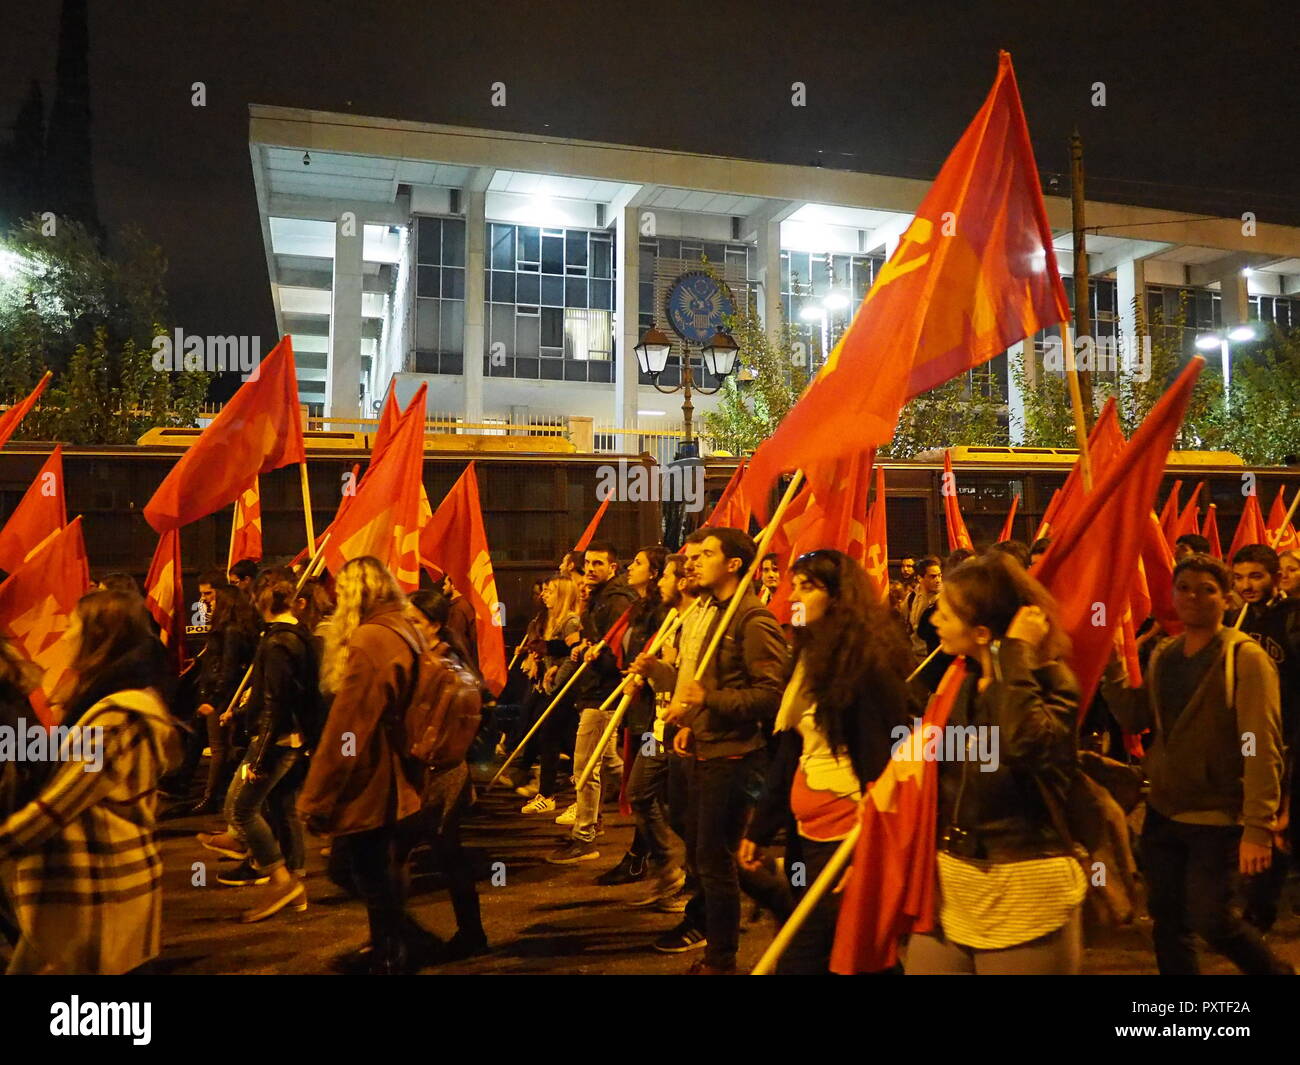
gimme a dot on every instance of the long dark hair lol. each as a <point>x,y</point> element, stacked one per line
<point>856,649</point>
<point>117,651</point>
<point>232,612</point>
<point>989,589</point>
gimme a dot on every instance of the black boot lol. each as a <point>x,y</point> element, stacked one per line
<point>630,869</point>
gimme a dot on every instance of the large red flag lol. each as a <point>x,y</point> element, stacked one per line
<point>1281,533</point>
<point>732,510</point>
<point>1188,522</point>
<point>1158,569</point>
<point>246,534</point>
<point>36,605</point>
<point>973,274</point>
<point>891,890</point>
<point>1105,442</point>
<point>1250,529</point>
<point>40,514</point>
<point>1210,530</point>
<point>953,521</point>
<point>12,418</point>
<point>384,518</point>
<point>877,558</point>
<point>456,542</point>
<point>163,595</point>
<point>589,532</point>
<point>1090,567</point>
<point>1170,513</point>
<point>1009,526</point>
<point>257,431</point>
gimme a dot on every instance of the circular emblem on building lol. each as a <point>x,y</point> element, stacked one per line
<point>697,305</point>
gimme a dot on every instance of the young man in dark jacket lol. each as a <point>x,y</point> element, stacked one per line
<point>608,600</point>
<point>724,720</point>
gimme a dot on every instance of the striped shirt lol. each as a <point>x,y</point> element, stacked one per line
<point>992,905</point>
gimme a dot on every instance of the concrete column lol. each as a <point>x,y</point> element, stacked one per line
<point>1130,294</point>
<point>769,278</point>
<point>475,302</point>
<point>627,307</point>
<point>343,367</point>
<point>1236,299</point>
<point>1015,397</point>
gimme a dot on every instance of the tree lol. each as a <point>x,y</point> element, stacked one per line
<point>90,316</point>
<point>966,411</point>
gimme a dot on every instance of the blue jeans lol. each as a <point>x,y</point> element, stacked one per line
<point>244,802</point>
<point>591,724</point>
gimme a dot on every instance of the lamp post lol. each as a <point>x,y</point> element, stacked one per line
<point>719,356</point>
<point>1223,339</point>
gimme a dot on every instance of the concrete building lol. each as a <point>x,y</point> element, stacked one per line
<point>515,273</point>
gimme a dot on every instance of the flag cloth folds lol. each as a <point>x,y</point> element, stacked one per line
<point>890,892</point>
<point>973,274</point>
<point>1008,526</point>
<point>12,418</point>
<point>384,518</point>
<point>1250,528</point>
<point>876,562</point>
<point>953,521</point>
<point>1210,530</point>
<point>1158,570</point>
<point>456,542</point>
<point>1188,523</point>
<point>246,538</point>
<point>1281,533</point>
<point>257,431</point>
<point>1105,442</point>
<point>163,595</point>
<point>39,515</point>
<point>36,605</point>
<point>589,533</point>
<point>1170,513</point>
<point>732,510</point>
<point>1090,567</point>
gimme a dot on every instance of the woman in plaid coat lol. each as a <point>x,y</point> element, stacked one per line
<point>79,863</point>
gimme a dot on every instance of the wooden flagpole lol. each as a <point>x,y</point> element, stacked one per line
<point>1076,405</point>
<point>306,507</point>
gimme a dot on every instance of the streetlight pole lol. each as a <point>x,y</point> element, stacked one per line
<point>688,408</point>
<point>719,357</point>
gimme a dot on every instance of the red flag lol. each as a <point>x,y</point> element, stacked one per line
<point>953,521</point>
<point>246,538</point>
<point>1250,528</point>
<point>877,557</point>
<point>12,418</point>
<point>1170,513</point>
<point>891,891</point>
<point>1009,526</point>
<point>41,513</point>
<point>1158,565</point>
<point>384,518</point>
<point>973,274</point>
<point>592,525</point>
<point>1091,583</point>
<point>456,542</point>
<point>163,595</point>
<point>257,431</point>
<point>1053,505</point>
<point>732,510</point>
<point>1105,443</point>
<point>1281,533</point>
<point>1210,530</point>
<point>36,605</point>
<point>1188,522</point>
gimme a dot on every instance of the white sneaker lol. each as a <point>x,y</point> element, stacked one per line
<point>539,805</point>
<point>569,817</point>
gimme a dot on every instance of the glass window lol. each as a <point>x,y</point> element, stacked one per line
<point>575,248</point>
<point>530,244</point>
<point>575,292</point>
<point>602,294</point>
<point>552,328</point>
<point>785,271</point>
<point>670,248</point>
<point>501,329</point>
<point>821,275</point>
<point>527,368</point>
<point>552,255</point>
<point>503,247</point>
<point>717,253</point>
<point>427,281</point>
<point>646,300</point>
<point>453,242</point>
<point>552,369</point>
<point>799,267</point>
<point>453,328</point>
<point>503,286</point>
<point>528,288</point>
<point>601,258</point>
<point>527,335</point>
<point>552,291</point>
<point>453,284</point>
<point>428,241</point>
<point>426,325</point>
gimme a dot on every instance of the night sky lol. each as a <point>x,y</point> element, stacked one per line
<point>1200,111</point>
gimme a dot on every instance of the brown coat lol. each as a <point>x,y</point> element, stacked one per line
<point>357,778</point>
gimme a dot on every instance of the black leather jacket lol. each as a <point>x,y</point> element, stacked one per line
<point>286,678</point>
<point>226,655</point>
<point>1035,710</point>
<point>606,605</point>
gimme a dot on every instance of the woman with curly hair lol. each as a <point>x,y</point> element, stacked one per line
<point>846,694</point>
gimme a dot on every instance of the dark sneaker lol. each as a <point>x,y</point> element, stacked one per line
<point>675,903</point>
<point>703,968</point>
<point>666,886</point>
<point>243,875</point>
<point>630,869</point>
<point>681,939</point>
<point>573,852</point>
<point>462,946</point>
<point>273,899</point>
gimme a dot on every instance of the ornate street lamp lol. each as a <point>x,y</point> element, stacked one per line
<point>719,356</point>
